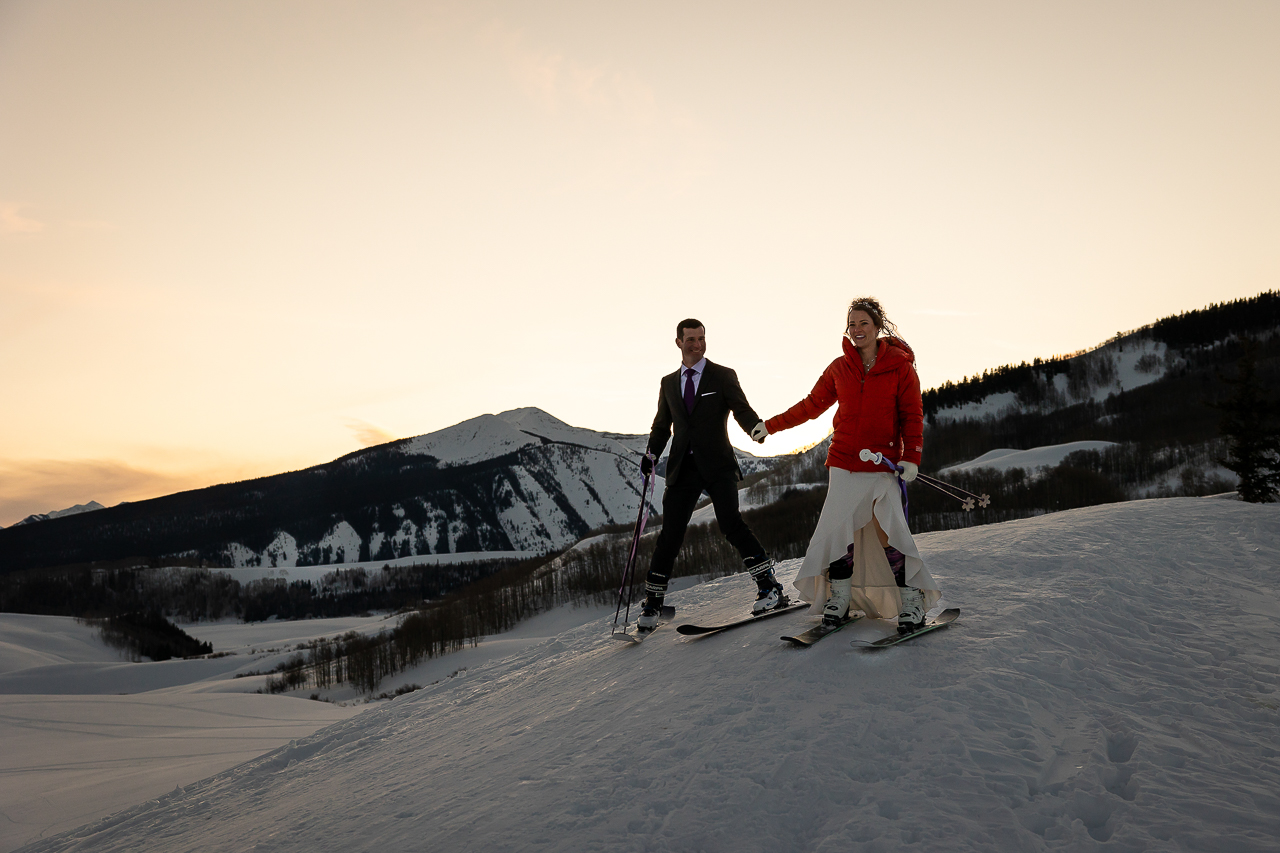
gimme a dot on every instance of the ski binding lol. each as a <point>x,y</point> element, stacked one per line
<point>942,620</point>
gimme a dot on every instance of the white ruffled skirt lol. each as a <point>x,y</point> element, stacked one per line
<point>853,499</point>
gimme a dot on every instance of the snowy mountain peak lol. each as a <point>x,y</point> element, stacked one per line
<point>491,436</point>
<point>59,513</point>
<point>473,440</point>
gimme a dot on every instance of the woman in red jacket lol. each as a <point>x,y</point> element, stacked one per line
<point>862,550</point>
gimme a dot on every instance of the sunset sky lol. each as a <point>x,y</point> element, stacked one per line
<point>239,238</point>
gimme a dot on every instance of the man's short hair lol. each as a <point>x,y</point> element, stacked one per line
<point>686,324</point>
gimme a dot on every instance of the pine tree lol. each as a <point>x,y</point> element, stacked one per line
<point>1252,440</point>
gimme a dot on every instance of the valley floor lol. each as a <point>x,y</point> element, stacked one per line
<point>87,733</point>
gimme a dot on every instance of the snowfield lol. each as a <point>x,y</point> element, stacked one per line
<point>1111,685</point>
<point>1031,460</point>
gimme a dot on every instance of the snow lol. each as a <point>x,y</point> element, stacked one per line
<point>316,574</point>
<point>491,436</point>
<point>1111,685</point>
<point>91,506</point>
<point>474,440</point>
<point>1029,460</point>
<point>752,497</point>
<point>29,641</point>
<point>1128,373</point>
<point>990,406</point>
<point>576,476</point>
<point>1129,363</point>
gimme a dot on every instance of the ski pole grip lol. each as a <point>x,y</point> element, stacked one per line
<point>867,456</point>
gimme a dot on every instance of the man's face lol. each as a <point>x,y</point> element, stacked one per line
<point>693,346</point>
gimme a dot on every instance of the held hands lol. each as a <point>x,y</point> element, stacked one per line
<point>759,433</point>
<point>909,471</point>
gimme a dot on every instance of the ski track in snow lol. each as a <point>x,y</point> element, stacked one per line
<point>1111,685</point>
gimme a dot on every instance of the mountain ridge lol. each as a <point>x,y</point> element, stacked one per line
<point>518,481</point>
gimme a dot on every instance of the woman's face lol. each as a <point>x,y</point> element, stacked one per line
<point>861,330</point>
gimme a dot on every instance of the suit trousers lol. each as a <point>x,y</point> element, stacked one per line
<point>678,502</point>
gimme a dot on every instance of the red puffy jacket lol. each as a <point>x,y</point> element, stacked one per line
<point>879,409</point>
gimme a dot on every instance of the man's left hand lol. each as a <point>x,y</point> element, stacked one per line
<point>759,433</point>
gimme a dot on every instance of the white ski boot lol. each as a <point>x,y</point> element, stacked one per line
<point>912,616</point>
<point>837,606</point>
<point>769,592</point>
<point>647,621</point>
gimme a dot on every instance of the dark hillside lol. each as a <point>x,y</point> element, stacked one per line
<point>1198,336</point>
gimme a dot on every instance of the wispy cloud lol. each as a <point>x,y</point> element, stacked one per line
<point>368,434</point>
<point>558,82</point>
<point>13,222</point>
<point>41,485</point>
<point>623,124</point>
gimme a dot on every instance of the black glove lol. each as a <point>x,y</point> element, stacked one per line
<point>646,465</point>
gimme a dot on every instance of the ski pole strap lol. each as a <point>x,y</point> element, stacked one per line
<point>946,488</point>
<point>867,455</point>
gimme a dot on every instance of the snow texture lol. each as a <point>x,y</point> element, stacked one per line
<point>1115,367</point>
<point>567,480</point>
<point>1111,685</point>
<point>1030,460</point>
<point>317,574</point>
<point>491,436</point>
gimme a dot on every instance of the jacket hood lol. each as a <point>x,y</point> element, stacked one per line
<point>888,351</point>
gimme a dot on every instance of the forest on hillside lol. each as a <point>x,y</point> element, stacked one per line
<point>1205,336</point>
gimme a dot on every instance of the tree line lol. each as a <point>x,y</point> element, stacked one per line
<point>591,574</point>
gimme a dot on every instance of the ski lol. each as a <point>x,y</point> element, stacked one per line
<point>817,632</point>
<point>632,634</point>
<point>943,619</point>
<point>706,630</point>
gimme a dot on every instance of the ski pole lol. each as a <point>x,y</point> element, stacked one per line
<point>983,500</point>
<point>641,520</point>
<point>867,456</point>
<point>967,503</point>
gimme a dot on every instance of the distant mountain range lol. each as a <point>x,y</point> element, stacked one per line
<point>1136,415</point>
<point>59,513</point>
<point>517,481</point>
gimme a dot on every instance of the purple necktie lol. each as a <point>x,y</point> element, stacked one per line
<point>688,389</point>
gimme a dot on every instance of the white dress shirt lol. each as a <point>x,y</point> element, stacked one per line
<point>697,375</point>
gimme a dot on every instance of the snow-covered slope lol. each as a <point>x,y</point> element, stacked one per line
<point>563,480</point>
<point>491,436</point>
<point>1029,460</point>
<point>1111,685</point>
<point>518,481</point>
<point>1119,365</point>
<point>28,641</point>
